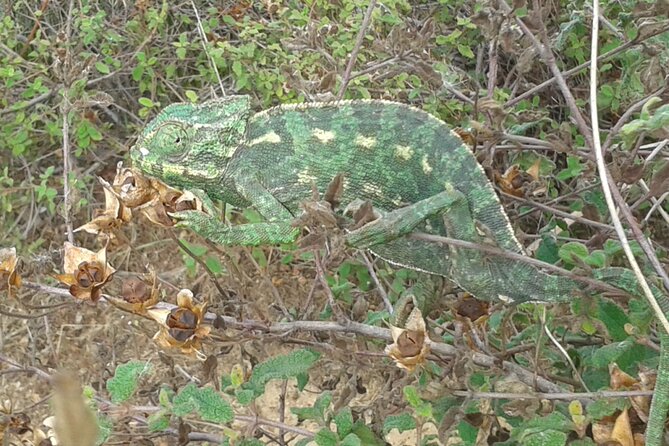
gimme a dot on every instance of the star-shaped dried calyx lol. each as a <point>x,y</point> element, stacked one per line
<point>169,200</point>
<point>318,214</point>
<point>9,278</point>
<point>152,197</point>
<point>181,327</point>
<point>411,344</point>
<point>132,191</point>
<point>138,294</point>
<point>85,272</point>
<point>111,218</point>
<point>517,182</point>
<point>131,187</point>
<point>472,308</point>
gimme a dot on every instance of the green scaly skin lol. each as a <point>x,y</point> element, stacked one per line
<point>409,164</point>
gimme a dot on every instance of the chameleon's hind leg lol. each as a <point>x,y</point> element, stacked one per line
<point>386,237</point>
<point>450,203</point>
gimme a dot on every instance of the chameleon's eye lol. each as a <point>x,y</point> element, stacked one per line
<point>174,142</point>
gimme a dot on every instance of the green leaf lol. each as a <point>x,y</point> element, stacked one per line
<point>208,403</point>
<point>571,251</point>
<point>614,318</point>
<point>588,327</point>
<point>422,408</point>
<point>344,422</point>
<point>317,412</point>
<point>574,169</point>
<point>214,265</point>
<point>146,102</point>
<point>158,421</point>
<point>548,250</point>
<point>191,95</point>
<point>325,437</point>
<point>466,51</point>
<point>102,67</point>
<point>467,432</point>
<point>94,133</point>
<point>411,395</point>
<point>250,442</point>
<point>125,380</point>
<point>197,250</point>
<point>546,438</point>
<point>609,353</point>
<point>322,403</point>
<point>302,381</point>
<point>164,396</point>
<point>237,68</point>
<point>605,407</point>
<point>105,427</point>
<point>245,397</point>
<point>281,367</point>
<point>351,440</point>
<point>402,422</point>
<point>596,258</point>
<point>366,435</point>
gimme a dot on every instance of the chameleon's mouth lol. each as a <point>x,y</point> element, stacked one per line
<point>139,156</point>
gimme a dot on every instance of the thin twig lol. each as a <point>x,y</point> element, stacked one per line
<point>65,107</point>
<point>200,262</point>
<point>553,396</point>
<point>204,40</point>
<point>602,171</point>
<point>569,73</point>
<point>377,282</point>
<point>369,331</point>
<point>44,96</point>
<point>562,350</point>
<point>544,207</point>
<point>320,272</point>
<point>515,256</point>
<point>492,68</point>
<point>354,54</point>
<point>278,300</point>
<point>586,132</point>
<point>625,117</point>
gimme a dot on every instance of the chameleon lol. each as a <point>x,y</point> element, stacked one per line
<point>412,167</point>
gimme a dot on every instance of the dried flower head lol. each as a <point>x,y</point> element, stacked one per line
<point>113,216</point>
<point>138,294</point>
<point>182,327</point>
<point>169,200</point>
<point>85,272</point>
<point>411,345</point>
<point>132,188</point>
<point>9,278</point>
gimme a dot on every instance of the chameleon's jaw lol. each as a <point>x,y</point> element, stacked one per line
<point>176,174</point>
<point>139,155</point>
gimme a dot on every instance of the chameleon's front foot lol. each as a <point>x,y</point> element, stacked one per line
<point>196,221</point>
<point>202,222</point>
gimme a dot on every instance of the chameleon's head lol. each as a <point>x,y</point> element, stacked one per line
<point>190,144</point>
